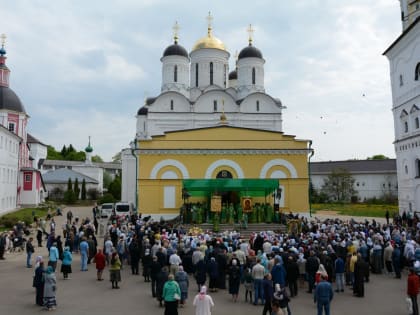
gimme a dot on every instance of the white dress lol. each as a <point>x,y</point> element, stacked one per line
<point>203,306</point>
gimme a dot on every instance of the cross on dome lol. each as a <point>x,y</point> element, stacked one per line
<point>209,23</point>
<point>176,28</point>
<point>250,31</point>
<point>3,41</point>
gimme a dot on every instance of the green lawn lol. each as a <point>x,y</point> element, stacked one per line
<point>359,209</point>
<point>7,221</point>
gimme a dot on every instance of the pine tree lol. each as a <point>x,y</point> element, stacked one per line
<point>76,188</point>
<point>83,189</point>
<point>63,151</point>
<point>69,186</point>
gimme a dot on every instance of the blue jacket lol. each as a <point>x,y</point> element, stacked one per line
<point>339,265</point>
<point>67,258</point>
<point>323,292</point>
<point>278,274</point>
<point>53,257</point>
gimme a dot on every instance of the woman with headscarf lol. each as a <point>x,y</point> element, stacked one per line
<point>200,273</point>
<point>50,289</point>
<point>234,280</point>
<point>100,261</point>
<point>115,270</point>
<point>203,302</point>
<point>321,272</point>
<point>171,295</point>
<point>182,278</point>
<point>213,271</point>
<point>39,282</point>
<point>161,279</point>
<point>67,260</point>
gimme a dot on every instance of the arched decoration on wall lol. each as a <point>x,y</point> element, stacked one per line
<point>169,175</point>
<point>403,113</point>
<point>224,174</point>
<point>278,162</point>
<point>235,166</point>
<point>414,108</point>
<point>181,167</point>
<point>278,174</point>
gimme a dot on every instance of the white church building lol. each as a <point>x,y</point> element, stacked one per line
<point>404,60</point>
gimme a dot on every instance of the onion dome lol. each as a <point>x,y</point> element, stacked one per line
<point>10,101</point>
<point>233,75</point>
<point>175,49</point>
<point>143,111</point>
<point>89,148</point>
<point>250,51</point>
<point>209,41</point>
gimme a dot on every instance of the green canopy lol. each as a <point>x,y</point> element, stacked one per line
<point>246,187</point>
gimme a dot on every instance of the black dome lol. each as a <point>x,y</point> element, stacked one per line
<point>175,50</point>
<point>233,75</point>
<point>10,101</point>
<point>250,51</point>
<point>143,111</point>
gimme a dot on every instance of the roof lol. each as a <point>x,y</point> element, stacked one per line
<point>355,166</point>
<point>9,132</point>
<point>407,30</point>
<point>104,165</point>
<point>250,51</point>
<point>175,50</point>
<point>10,101</point>
<point>62,175</point>
<point>31,139</point>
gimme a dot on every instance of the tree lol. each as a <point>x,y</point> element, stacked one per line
<point>378,157</point>
<point>64,151</point>
<point>117,158</point>
<point>339,185</point>
<point>76,188</point>
<point>83,190</point>
<point>115,188</point>
<point>107,180</point>
<point>52,154</point>
<point>97,158</point>
<point>69,185</point>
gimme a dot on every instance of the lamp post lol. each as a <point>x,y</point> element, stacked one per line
<point>133,146</point>
<point>311,154</point>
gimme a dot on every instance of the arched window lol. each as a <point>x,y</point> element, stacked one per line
<point>224,75</point>
<point>401,80</point>
<point>405,126</point>
<point>417,73</point>
<point>417,123</point>
<point>258,106</point>
<point>211,73</point>
<point>215,106</point>
<point>196,74</point>
<point>253,75</point>
<point>417,167</point>
<point>176,74</point>
<point>172,104</point>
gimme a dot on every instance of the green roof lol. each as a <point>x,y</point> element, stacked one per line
<point>246,187</point>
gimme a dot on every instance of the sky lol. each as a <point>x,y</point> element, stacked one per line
<point>84,68</point>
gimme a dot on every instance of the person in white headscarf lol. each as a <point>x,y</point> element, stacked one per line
<point>203,302</point>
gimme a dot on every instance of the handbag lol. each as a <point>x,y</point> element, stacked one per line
<point>409,304</point>
<point>176,296</point>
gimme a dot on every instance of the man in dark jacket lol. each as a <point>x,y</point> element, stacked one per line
<point>361,268</point>
<point>268,293</point>
<point>312,265</point>
<point>323,295</point>
<point>154,271</point>
<point>292,275</point>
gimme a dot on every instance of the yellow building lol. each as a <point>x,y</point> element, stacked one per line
<point>223,152</point>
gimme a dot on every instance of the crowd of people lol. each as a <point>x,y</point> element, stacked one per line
<point>320,257</point>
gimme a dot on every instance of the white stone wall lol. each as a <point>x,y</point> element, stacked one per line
<point>183,77</point>
<point>128,183</point>
<point>91,171</point>
<point>403,58</point>
<point>9,148</point>
<point>37,151</point>
<point>245,85</point>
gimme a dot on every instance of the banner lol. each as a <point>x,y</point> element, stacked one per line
<point>247,204</point>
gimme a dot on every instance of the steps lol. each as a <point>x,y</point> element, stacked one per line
<point>252,228</point>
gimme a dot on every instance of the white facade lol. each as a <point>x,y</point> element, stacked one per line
<point>404,58</point>
<point>9,169</point>
<point>128,185</point>
<point>38,151</point>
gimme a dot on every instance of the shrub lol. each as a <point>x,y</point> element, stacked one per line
<point>70,197</point>
<point>107,198</point>
<point>93,194</point>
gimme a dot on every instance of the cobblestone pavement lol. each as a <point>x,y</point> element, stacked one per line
<point>82,294</point>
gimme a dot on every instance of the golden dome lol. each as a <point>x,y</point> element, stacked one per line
<point>209,41</point>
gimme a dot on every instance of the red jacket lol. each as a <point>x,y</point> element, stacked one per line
<point>413,284</point>
<point>100,261</point>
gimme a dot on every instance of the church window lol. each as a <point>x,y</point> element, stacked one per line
<point>417,166</point>
<point>253,75</point>
<point>215,106</point>
<point>258,106</point>
<point>176,74</point>
<point>211,73</point>
<point>417,73</point>
<point>11,127</point>
<point>405,126</point>
<point>406,169</point>
<point>401,80</point>
<point>224,75</point>
<point>172,104</point>
<point>196,74</point>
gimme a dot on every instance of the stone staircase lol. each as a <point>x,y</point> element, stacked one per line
<point>252,228</point>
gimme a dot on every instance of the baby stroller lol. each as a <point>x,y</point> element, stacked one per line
<point>19,243</point>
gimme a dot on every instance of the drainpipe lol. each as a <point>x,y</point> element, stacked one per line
<point>133,146</point>
<point>311,154</point>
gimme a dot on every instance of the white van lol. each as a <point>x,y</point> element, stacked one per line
<point>124,209</point>
<point>106,210</point>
